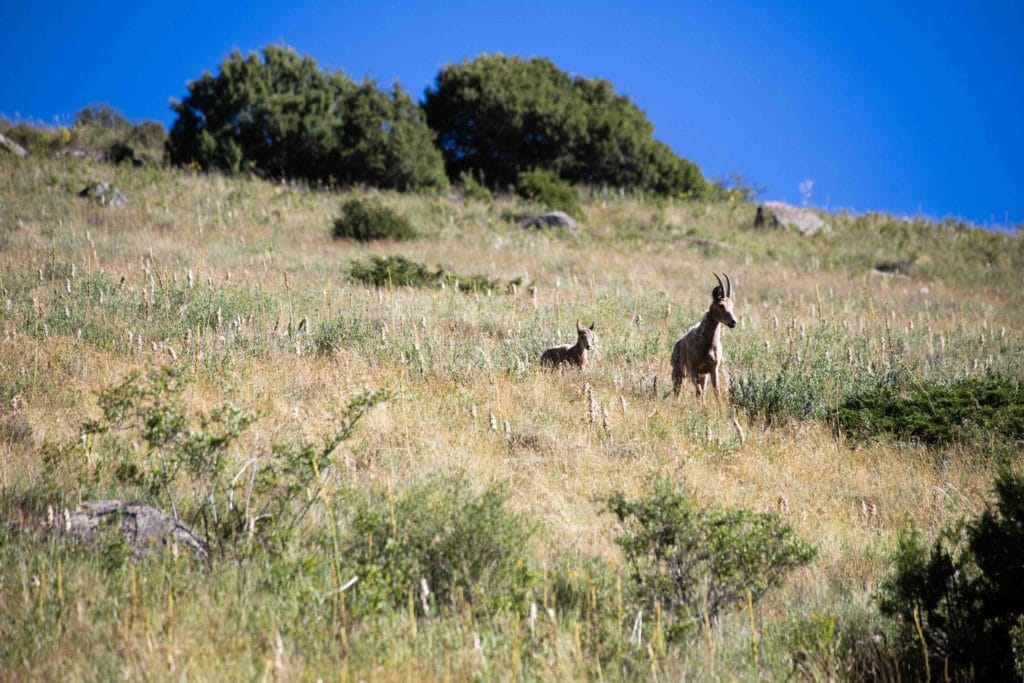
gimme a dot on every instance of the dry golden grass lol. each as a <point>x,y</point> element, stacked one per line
<point>457,359</point>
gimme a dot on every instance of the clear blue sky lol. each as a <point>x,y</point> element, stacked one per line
<point>910,108</point>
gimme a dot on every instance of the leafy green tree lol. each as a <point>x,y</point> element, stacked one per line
<point>280,114</point>
<point>498,116</point>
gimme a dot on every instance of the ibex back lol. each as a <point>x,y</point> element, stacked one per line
<point>699,353</point>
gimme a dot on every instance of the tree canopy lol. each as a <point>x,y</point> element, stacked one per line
<point>283,116</point>
<point>496,116</point>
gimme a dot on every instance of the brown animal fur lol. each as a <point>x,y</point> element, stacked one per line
<point>571,355</point>
<point>699,353</point>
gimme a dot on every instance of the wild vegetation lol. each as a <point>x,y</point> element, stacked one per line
<point>392,488</point>
<point>280,115</point>
<point>497,116</point>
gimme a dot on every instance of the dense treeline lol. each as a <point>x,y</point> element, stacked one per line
<point>493,118</point>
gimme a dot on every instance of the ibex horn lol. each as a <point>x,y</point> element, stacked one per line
<point>728,292</point>
<point>720,283</point>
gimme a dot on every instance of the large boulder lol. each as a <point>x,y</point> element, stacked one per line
<point>11,146</point>
<point>554,219</point>
<point>145,529</point>
<point>104,193</point>
<point>781,215</point>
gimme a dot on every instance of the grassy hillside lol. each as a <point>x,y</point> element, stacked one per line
<point>238,284</point>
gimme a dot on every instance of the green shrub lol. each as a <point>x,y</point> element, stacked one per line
<point>471,188</point>
<point>398,271</point>
<point>464,546</point>
<point>975,408</point>
<point>773,399</point>
<point>394,271</point>
<point>547,188</point>
<point>962,596</point>
<point>147,445</point>
<point>363,220</point>
<point>695,563</point>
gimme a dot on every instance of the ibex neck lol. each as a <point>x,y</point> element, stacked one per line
<point>709,332</point>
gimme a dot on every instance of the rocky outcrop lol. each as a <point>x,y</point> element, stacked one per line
<point>145,529</point>
<point>104,193</point>
<point>554,219</point>
<point>780,215</point>
<point>11,146</point>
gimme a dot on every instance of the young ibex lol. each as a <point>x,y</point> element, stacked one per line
<point>574,355</point>
<point>699,353</point>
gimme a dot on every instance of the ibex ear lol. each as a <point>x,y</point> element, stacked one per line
<point>579,328</point>
<point>592,326</point>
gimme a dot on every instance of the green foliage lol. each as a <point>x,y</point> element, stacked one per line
<point>973,408</point>
<point>394,271</point>
<point>100,131</point>
<point>398,271</point>
<point>499,116</point>
<point>546,187</point>
<point>101,128</point>
<point>147,445</point>
<point>285,117</point>
<point>963,595</point>
<point>736,188</point>
<point>363,220</point>
<point>465,546</point>
<point>695,563</point>
<point>472,188</point>
<point>773,399</point>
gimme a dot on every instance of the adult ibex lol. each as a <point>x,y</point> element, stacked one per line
<point>699,353</point>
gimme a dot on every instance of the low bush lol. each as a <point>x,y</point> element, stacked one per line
<point>545,187</point>
<point>394,271</point>
<point>773,399</point>
<point>693,563</point>
<point>398,271</point>
<point>958,605</point>
<point>471,188</point>
<point>363,220</point>
<point>974,408</point>
<point>437,544</point>
<point>148,446</point>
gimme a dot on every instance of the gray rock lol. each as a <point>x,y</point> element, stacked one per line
<point>145,529</point>
<point>554,219</point>
<point>780,215</point>
<point>12,146</point>
<point>104,193</point>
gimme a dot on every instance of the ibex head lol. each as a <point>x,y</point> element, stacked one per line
<point>585,335</point>
<point>721,302</point>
